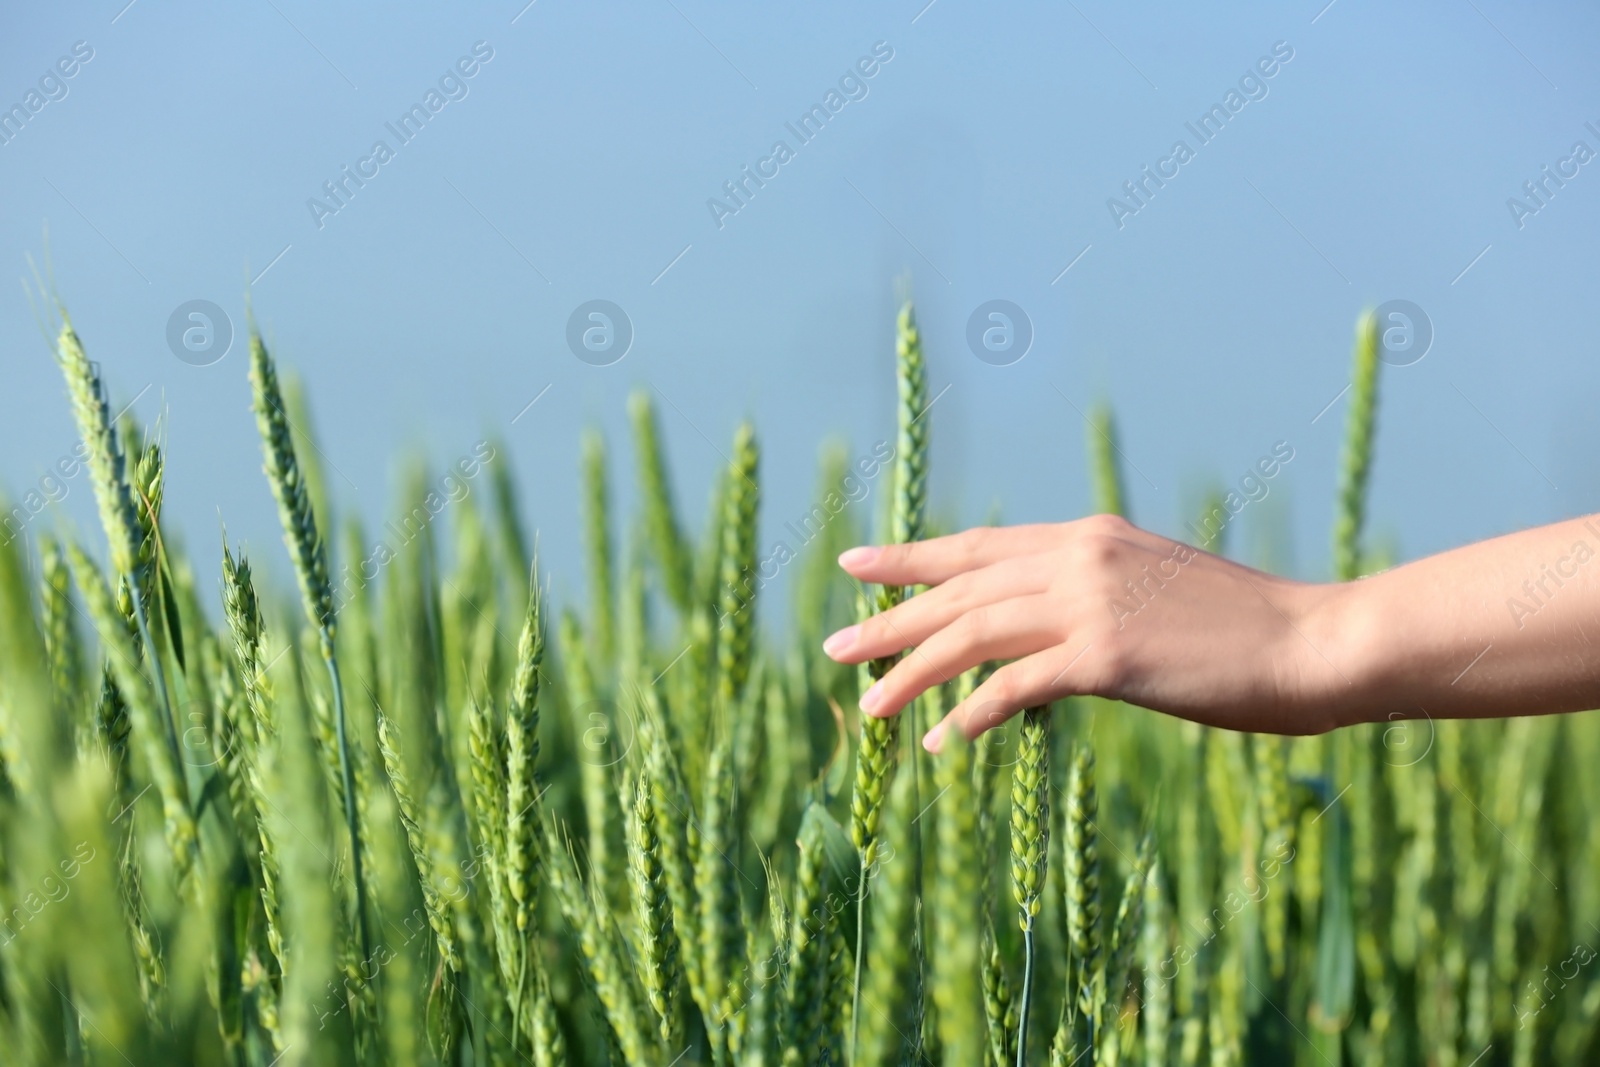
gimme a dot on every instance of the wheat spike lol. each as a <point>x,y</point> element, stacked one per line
<point>807,964</point>
<point>593,723</point>
<point>666,535</point>
<point>911,447</point>
<point>1125,930</point>
<point>999,1009</point>
<point>60,628</point>
<point>522,838</point>
<point>1106,462</point>
<point>721,931</point>
<point>629,1019</point>
<point>875,758</point>
<point>1030,846</point>
<point>522,754</point>
<point>411,818</point>
<point>598,547</point>
<point>135,687</point>
<point>653,912</point>
<point>289,488</point>
<point>1081,869</point>
<point>736,625</point>
<point>1356,463</point>
<point>105,459</point>
<point>957,966</point>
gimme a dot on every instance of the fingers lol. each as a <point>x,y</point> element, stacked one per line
<point>914,621</point>
<point>997,631</point>
<point>939,560</point>
<point>1026,683</point>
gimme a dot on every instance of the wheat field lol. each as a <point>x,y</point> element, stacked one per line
<point>425,816</point>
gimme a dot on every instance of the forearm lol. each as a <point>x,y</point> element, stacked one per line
<point>1503,627</point>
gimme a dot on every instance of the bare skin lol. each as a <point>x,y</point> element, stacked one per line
<point>1098,606</point>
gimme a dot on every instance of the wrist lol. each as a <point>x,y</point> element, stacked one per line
<point>1349,649</point>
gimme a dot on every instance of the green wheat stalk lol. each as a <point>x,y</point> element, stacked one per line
<point>1355,468</point>
<point>1030,847</point>
<point>593,726</point>
<point>680,837</point>
<point>601,946</point>
<point>257,731</point>
<point>880,737</point>
<point>1125,931</point>
<point>309,553</point>
<point>911,442</point>
<point>1080,850</point>
<point>721,931</point>
<point>736,607</point>
<point>522,838</point>
<point>893,921</point>
<point>412,817</point>
<point>119,515</point>
<point>654,914</point>
<point>60,631</point>
<point>598,546</point>
<point>999,1008</point>
<point>486,743</point>
<point>1105,460</point>
<point>672,553</point>
<point>958,967</point>
<point>806,989</point>
<point>161,759</point>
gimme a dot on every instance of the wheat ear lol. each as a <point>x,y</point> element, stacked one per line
<point>1356,464</point>
<point>722,933</point>
<point>911,443</point>
<point>1106,462</point>
<point>162,760</point>
<point>522,838</point>
<point>958,967</point>
<point>653,911</point>
<point>1125,930</point>
<point>999,1009</point>
<point>411,819</point>
<point>1080,851</point>
<point>1154,950</point>
<point>812,921</point>
<point>1030,847</point>
<point>672,554</point>
<point>60,633</point>
<point>593,724</point>
<point>880,737</point>
<point>243,613</point>
<point>598,547</point>
<point>588,912</point>
<point>119,515</point>
<point>736,606</point>
<point>309,553</point>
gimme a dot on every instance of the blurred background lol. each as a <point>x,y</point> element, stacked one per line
<point>181,168</point>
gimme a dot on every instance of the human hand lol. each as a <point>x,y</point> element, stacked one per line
<point>1096,606</point>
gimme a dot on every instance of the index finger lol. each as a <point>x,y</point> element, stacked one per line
<point>942,558</point>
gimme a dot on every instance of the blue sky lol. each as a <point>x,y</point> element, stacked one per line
<point>976,163</point>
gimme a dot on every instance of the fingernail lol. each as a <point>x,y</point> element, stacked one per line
<point>932,739</point>
<point>841,640</point>
<point>859,557</point>
<point>871,698</point>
